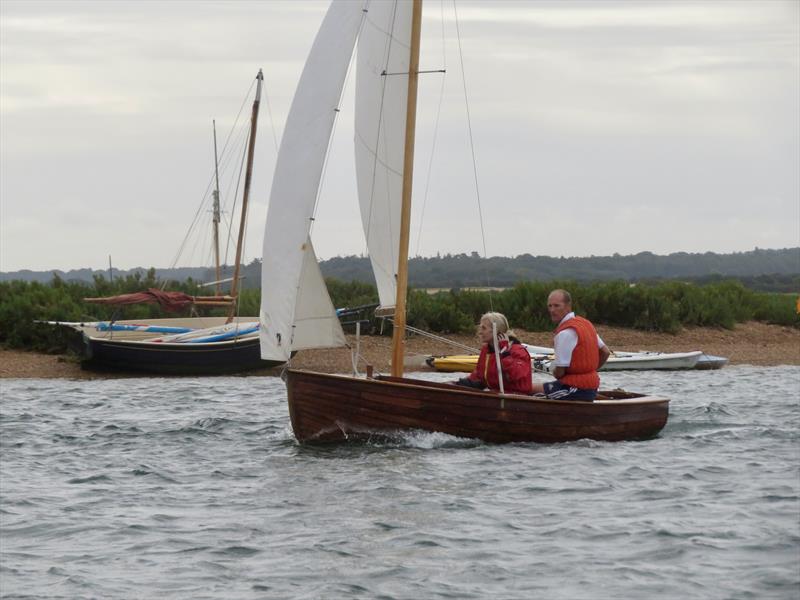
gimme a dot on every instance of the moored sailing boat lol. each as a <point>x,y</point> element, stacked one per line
<point>182,346</point>
<point>296,311</point>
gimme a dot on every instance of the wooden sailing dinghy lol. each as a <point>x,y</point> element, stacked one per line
<point>327,408</point>
<point>296,311</point>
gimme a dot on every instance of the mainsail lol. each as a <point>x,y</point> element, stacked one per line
<point>296,310</point>
<point>380,121</point>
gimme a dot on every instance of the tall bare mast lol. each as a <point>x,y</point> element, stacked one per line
<point>215,218</point>
<point>399,331</point>
<point>247,178</point>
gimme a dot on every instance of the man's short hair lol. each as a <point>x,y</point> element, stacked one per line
<point>565,295</point>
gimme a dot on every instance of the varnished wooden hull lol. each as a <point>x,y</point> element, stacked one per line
<point>329,408</point>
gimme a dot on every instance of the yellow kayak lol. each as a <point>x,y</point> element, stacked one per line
<point>454,363</point>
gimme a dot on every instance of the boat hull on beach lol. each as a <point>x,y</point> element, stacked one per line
<point>646,361</point>
<point>334,408</point>
<point>217,358</point>
<point>140,351</point>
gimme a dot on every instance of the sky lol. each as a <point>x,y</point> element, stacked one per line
<point>597,127</point>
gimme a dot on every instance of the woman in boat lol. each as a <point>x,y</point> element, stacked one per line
<point>515,361</point>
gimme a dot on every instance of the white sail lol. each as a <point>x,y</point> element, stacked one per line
<point>380,121</point>
<point>314,326</point>
<point>294,189</point>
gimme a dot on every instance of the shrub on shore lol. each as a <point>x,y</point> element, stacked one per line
<point>664,307</point>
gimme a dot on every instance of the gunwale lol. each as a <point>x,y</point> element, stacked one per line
<point>329,407</point>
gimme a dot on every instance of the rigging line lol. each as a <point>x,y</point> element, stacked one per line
<point>435,134</point>
<point>438,338</point>
<point>235,199</point>
<point>204,201</point>
<point>472,150</point>
<point>445,340</point>
<point>209,254</point>
<point>193,253</point>
<point>337,109</point>
<point>224,157</point>
<point>192,225</point>
<point>241,143</point>
<point>238,116</point>
<point>235,182</point>
<point>271,122</point>
<point>387,55</point>
<point>241,274</point>
<point>225,223</point>
<point>235,144</point>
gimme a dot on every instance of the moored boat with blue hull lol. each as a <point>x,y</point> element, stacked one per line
<point>218,358</point>
<point>198,345</point>
<point>333,408</point>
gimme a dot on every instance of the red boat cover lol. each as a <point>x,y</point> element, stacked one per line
<point>171,301</point>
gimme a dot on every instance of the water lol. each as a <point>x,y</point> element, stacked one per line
<point>195,488</point>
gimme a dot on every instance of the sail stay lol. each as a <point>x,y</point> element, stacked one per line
<point>287,250</point>
<point>380,122</point>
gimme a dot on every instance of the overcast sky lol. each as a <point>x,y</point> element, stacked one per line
<point>599,127</point>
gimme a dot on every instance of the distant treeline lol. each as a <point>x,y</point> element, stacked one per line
<point>470,270</point>
<point>765,270</point>
<point>664,306</point>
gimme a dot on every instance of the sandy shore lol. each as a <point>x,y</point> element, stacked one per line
<point>748,343</point>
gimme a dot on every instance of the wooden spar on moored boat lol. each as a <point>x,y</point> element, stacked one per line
<point>168,300</point>
<point>216,214</point>
<point>296,311</point>
<point>247,179</point>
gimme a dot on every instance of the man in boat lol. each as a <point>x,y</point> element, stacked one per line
<point>579,353</point>
<point>515,361</point>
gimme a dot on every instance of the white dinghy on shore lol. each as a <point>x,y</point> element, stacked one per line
<point>644,360</point>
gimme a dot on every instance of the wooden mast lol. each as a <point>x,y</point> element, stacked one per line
<point>399,329</point>
<point>247,178</point>
<point>215,217</point>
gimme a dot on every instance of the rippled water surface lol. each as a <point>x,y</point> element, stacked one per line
<point>195,488</point>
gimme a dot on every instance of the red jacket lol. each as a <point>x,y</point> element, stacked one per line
<point>582,369</point>
<point>515,363</point>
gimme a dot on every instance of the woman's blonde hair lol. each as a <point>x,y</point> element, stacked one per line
<point>499,319</point>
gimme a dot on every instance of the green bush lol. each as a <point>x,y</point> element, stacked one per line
<point>662,306</point>
<point>437,312</point>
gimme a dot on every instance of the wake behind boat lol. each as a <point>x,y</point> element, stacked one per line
<point>296,311</point>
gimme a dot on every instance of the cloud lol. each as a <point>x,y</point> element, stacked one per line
<point>658,126</point>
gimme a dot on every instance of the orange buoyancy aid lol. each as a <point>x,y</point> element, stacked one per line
<point>582,370</point>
